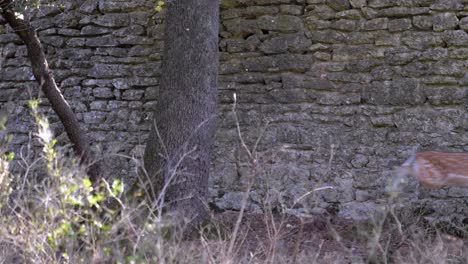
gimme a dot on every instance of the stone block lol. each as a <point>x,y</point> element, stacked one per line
<point>405,91</point>
<point>109,6</point>
<point>17,74</point>
<point>112,20</point>
<point>421,40</point>
<point>403,11</point>
<point>94,117</point>
<point>380,3</point>
<point>102,93</point>
<point>278,63</point>
<point>447,5</point>
<point>423,22</point>
<point>376,24</point>
<point>89,6</point>
<point>399,24</point>
<point>109,71</point>
<point>296,43</point>
<point>133,95</point>
<point>445,21</point>
<point>464,23</point>
<point>92,30</point>
<point>344,25</point>
<point>339,5</point>
<point>105,41</point>
<point>282,23</point>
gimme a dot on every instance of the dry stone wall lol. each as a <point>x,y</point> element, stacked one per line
<point>347,88</point>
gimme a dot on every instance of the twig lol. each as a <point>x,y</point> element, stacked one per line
<point>245,197</point>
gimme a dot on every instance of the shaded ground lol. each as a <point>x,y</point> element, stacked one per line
<point>320,239</point>
<point>269,239</point>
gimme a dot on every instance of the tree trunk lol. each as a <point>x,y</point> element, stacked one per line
<point>178,150</point>
<point>47,83</point>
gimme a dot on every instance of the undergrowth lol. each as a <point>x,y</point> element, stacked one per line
<point>52,213</point>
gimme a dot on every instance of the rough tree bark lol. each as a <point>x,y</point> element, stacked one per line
<point>47,83</point>
<point>178,149</point>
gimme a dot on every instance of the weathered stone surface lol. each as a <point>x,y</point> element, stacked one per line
<point>347,53</point>
<point>386,39</point>
<point>349,14</point>
<point>72,81</point>
<point>445,96</point>
<point>445,21</point>
<point>10,38</point>
<point>324,12</point>
<point>399,24</point>
<point>339,5</point>
<point>380,3</point>
<point>313,23</point>
<point>403,11</point>
<point>344,25</point>
<point>447,5</point>
<point>258,11</point>
<point>98,105</point>
<point>282,23</point>
<point>464,23</point>
<point>397,92</point>
<point>9,51</point>
<point>358,3</point>
<point>296,43</point>
<point>17,74</point>
<point>112,20</point>
<point>89,6</point>
<point>300,81</point>
<point>68,32</point>
<point>94,117</point>
<point>105,41</point>
<point>369,13</point>
<point>434,54</point>
<point>421,40</point>
<point>323,56</point>
<point>455,38</point>
<point>294,10</point>
<point>108,6</point>
<point>278,63</point>
<point>149,70</point>
<point>135,40</point>
<point>102,93</point>
<point>130,30</point>
<point>376,24</point>
<point>132,95</point>
<point>359,211</point>
<point>231,201</point>
<point>141,17</point>
<point>448,67</point>
<point>92,30</point>
<point>423,22</point>
<point>75,42</point>
<point>109,71</point>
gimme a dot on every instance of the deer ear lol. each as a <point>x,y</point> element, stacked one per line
<point>412,157</point>
<point>410,160</point>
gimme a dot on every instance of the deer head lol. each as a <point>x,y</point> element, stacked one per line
<point>437,169</point>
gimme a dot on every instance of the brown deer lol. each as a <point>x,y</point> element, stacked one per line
<point>437,169</point>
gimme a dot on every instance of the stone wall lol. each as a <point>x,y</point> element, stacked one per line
<point>347,88</point>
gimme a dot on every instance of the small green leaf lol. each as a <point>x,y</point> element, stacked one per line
<point>87,183</point>
<point>9,156</point>
<point>117,187</point>
<point>33,104</point>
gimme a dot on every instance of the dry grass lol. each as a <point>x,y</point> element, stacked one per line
<point>51,214</point>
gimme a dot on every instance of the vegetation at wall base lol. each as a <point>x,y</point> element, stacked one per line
<point>61,217</point>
